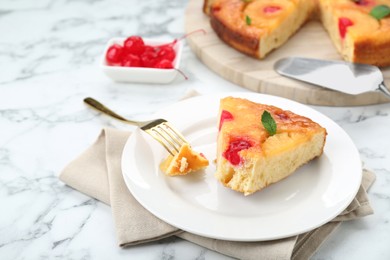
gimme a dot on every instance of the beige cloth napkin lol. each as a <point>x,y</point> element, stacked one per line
<point>97,173</point>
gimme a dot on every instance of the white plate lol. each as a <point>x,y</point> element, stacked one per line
<point>199,204</point>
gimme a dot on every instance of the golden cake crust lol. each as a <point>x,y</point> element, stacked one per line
<point>366,51</point>
<point>227,22</point>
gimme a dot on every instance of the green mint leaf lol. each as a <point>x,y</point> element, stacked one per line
<point>268,122</point>
<point>380,11</point>
<point>248,20</point>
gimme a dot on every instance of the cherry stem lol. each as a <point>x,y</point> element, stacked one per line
<point>190,33</point>
<point>181,38</point>
<point>182,73</point>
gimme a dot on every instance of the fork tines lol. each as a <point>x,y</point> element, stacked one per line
<point>166,134</point>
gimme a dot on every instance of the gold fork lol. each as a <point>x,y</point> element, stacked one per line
<point>159,129</point>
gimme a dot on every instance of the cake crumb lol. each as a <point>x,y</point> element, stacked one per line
<point>183,164</point>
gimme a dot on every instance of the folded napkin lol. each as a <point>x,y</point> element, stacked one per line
<point>97,173</point>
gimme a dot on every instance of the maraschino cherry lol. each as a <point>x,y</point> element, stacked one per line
<point>231,153</point>
<point>271,9</point>
<point>344,23</point>
<point>135,53</point>
<point>134,45</point>
<point>365,2</point>
<point>114,54</point>
<point>225,116</point>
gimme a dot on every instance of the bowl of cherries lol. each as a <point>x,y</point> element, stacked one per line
<point>134,59</point>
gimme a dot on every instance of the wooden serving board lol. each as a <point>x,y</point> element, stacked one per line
<point>258,75</point>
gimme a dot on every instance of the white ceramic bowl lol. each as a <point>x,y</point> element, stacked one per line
<point>142,75</point>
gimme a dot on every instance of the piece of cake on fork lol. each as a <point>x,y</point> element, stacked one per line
<point>185,161</point>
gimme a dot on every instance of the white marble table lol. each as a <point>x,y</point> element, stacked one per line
<point>49,54</point>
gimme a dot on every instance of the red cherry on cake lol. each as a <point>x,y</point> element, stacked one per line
<point>231,154</point>
<point>114,54</point>
<point>344,23</point>
<point>365,2</point>
<point>271,9</point>
<point>225,115</point>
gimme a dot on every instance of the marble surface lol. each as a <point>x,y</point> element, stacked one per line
<point>49,55</point>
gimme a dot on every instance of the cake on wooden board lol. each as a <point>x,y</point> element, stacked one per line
<point>256,27</point>
<point>249,158</point>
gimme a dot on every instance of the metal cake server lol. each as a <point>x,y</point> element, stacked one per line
<point>342,76</point>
